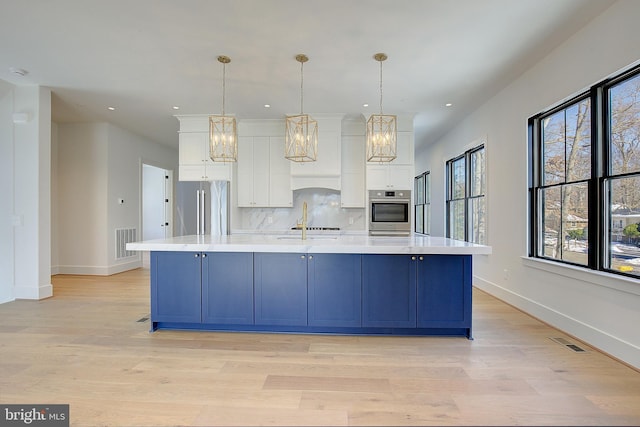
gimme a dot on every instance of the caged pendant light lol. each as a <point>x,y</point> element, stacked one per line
<point>301,131</point>
<point>223,139</point>
<point>381,129</point>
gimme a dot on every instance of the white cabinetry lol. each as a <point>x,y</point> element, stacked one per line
<point>264,175</point>
<point>253,171</point>
<point>397,174</point>
<point>280,194</point>
<point>353,171</point>
<point>194,163</point>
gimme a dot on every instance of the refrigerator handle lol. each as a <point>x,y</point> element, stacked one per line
<point>198,212</point>
<point>203,207</point>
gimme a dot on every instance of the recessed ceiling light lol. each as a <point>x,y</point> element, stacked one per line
<point>448,104</point>
<point>365,105</point>
<point>267,105</point>
<point>111,108</point>
<point>175,107</point>
<point>18,71</point>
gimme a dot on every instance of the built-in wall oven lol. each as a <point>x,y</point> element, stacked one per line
<point>389,212</point>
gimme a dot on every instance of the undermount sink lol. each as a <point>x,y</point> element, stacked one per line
<point>308,238</point>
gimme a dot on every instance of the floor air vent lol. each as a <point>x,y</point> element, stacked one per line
<point>124,236</point>
<point>568,345</point>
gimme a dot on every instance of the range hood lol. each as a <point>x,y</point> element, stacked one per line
<point>332,182</point>
<point>325,171</point>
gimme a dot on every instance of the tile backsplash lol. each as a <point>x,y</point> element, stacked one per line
<point>323,210</point>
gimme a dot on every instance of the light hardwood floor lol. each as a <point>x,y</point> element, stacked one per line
<point>86,347</point>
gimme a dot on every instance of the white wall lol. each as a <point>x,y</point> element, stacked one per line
<point>127,153</point>
<point>32,193</point>
<point>98,163</point>
<point>82,203</point>
<point>602,309</point>
<point>6,195</point>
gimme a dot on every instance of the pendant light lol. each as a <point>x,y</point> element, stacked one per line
<point>381,129</point>
<point>301,131</point>
<point>223,139</point>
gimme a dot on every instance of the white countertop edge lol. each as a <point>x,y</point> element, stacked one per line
<point>358,244</point>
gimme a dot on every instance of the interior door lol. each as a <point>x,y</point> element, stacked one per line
<point>155,224</point>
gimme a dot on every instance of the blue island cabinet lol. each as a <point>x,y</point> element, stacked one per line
<point>444,293</point>
<point>280,286</point>
<point>335,290</point>
<point>227,288</point>
<point>190,290</point>
<point>175,287</point>
<point>389,291</point>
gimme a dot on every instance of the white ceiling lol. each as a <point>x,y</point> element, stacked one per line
<point>145,56</point>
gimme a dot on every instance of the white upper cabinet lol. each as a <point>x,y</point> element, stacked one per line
<point>388,176</point>
<point>253,171</point>
<point>264,176</point>
<point>397,174</point>
<point>194,163</point>
<point>352,193</point>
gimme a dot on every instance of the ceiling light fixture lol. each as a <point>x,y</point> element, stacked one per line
<point>223,140</point>
<point>381,129</point>
<point>301,131</point>
<point>18,71</point>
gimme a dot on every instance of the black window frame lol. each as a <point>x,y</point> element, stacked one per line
<point>467,198</point>
<point>425,203</point>
<point>599,219</point>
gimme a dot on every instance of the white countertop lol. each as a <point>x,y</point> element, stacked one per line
<point>315,243</point>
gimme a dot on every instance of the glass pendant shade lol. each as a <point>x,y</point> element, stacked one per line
<point>223,137</point>
<point>382,129</point>
<point>301,131</point>
<point>381,138</point>
<point>301,138</point>
<point>223,143</point>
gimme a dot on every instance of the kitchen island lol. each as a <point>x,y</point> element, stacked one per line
<point>344,284</point>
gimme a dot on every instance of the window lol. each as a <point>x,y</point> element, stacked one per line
<point>466,190</point>
<point>584,178</point>
<point>422,191</point>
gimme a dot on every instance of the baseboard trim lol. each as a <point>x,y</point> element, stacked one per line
<point>36,293</point>
<point>98,270</point>
<point>621,350</point>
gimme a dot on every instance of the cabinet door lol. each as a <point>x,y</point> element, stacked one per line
<point>389,291</point>
<point>280,281</point>
<point>400,177</point>
<point>175,287</point>
<point>245,171</point>
<point>280,194</point>
<point>261,171</point>
<point>377,176</point>
<point>227,288</point>
<point>352,194</point>
<point>192,147</point>
<point>444,291</point>
<point>192,173</point>
<point>334,289</point>
<point>253,171</point>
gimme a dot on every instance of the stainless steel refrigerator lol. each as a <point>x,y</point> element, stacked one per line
<point>202,208</point>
